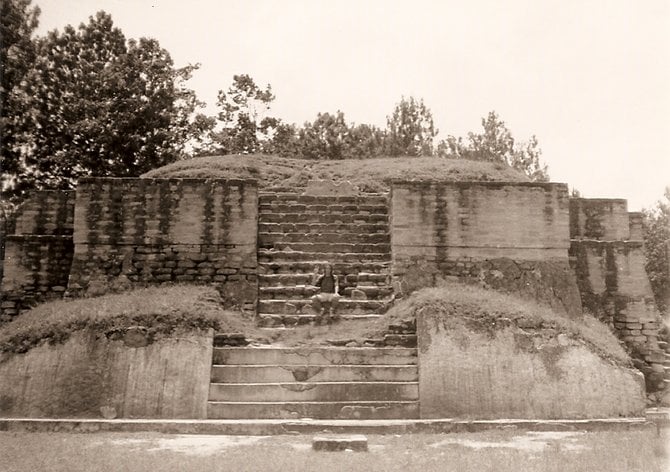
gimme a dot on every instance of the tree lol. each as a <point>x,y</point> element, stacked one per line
<point>284,141</point>
<point>245,126</point>
<point>325,138</point>
<point>410,129</point>
<point>364,142</point>
<point>18,21</point>
<point>497,144</point>
<point>100,105</point>
<point>657,247</point>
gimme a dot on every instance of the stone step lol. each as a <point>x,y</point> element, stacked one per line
<point>370,292</point>
<point>375,410</point>
<point>295,291</point>
<point>337,248</point>
<point>306,291</point>
<point>313,373</point>
<point>276,320</point>
<point>294,306</point>
<point>321,218</point>
<point>287,197</point>
<point>296,267</point>
<point>323,208</point>
<point>270,239</point>
<point>314,356</point>
<point>348,228</point>
<point>314,258</point>
<point>345,279</point>
<point>314,391</point>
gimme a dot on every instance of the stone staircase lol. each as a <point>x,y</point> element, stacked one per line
<point>313,382</point>
<point>666,363</point>
<point>297,233</point>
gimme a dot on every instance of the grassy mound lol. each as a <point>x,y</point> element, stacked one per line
<point>482,310</point>
<point>369,175</point>
<point>161,310</point>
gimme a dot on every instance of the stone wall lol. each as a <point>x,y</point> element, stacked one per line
<point>607,255</point>
<point>519,373</point>
<point>91,376</point>
<point>37,252</point>
<point>509,236</point>
<point>148,232</point>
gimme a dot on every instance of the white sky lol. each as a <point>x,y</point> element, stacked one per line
<point>589,78</point>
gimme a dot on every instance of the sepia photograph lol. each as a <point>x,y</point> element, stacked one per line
<point>306,235</point>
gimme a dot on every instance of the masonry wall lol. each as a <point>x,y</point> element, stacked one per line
<point>38,252</point>
<point>92,376</point>
<point>147,232</point>
<point>509,236</point>
<point>519,373</point>
<point>607,255</point>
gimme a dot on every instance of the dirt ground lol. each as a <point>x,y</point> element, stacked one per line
<point>507,450</point>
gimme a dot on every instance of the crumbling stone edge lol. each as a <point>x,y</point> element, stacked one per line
<point>654,420</point>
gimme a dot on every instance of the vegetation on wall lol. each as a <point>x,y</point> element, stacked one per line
<point>657,250</point>
<point>158,310</point>
<point>488,311</point>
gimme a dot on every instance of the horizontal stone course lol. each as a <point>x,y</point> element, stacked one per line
<point>353,391</point>
<point>327,218</point>
<point>320,228</point>
<point>315,410</point>
<point>270,239</point>
<point>327,373</point>
<point>314,356</point>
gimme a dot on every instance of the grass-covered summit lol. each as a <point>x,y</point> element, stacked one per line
<point>371,175</point>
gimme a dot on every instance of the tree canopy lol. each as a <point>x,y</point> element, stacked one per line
<point>18,21</point>
<point>496,143</point>
<point>87,101</point>
<point>410,130</point>
<point>657,250</point>
<point>96,103</point>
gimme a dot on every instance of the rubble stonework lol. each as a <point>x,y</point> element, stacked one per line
<point>509,236</point>
<point>607,255</point>
<point>130,232</point>
<point>37,252</point>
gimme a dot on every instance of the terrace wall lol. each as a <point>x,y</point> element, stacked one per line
<point>130,232</point>
<point>607,255</point>
<point>509,236</point>
<point>37,252</point>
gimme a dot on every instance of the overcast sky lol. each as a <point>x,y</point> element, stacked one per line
<point>589,78</point>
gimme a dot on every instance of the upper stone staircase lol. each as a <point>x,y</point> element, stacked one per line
<point>298,233</point>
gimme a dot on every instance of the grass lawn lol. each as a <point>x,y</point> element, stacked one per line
<point>502,451</point>
<point>369,175</point>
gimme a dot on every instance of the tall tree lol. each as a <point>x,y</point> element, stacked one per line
<point>18,21</point>
<point>102,105</point>
<point>364,142</point>
<point>324,138</point>
<point>410,129</point>
<point>246,128</point>
<point>657,250</point>
<point>496,143</point>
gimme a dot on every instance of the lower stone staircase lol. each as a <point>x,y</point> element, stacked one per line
<point>314,382</point>
<point>300,233</point>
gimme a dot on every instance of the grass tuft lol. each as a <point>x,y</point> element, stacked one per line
<point>161,310</point>
<point>482,310</point>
